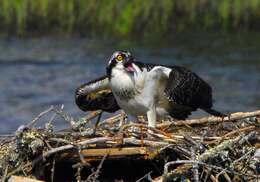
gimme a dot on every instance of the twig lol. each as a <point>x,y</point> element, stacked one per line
<point>122,119</point>
<point>94,176</point>
<point>5,173</point>
<point>221,147</point>
<point>30,124</point>
<point>97,122</point>
<point>224,174</point>
<point>92,115</point>
<point>248,128</point>
<point>81,156</point>
<point>195,166</point>
<point>213,178</point>
<point>227,177</point>
<point>60,140</point>
<point>145,142</point>
<point>54,115</point>
<point>244,156</point>
<point>247,138</point>
<point>111,120</point>
<point>18,169</point>
<point>53,170</point>
<point>146,176</point>
<point>85,142</point>
<point>166,166</point>
<point>65,116</point>
<point>78,174</point>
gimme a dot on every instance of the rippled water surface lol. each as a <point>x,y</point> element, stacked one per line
<point>38,73</point>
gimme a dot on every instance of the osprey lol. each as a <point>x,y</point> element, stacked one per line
<point>155,91</point>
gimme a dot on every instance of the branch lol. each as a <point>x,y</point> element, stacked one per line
<point>211,119</point>
<point>29,125</point>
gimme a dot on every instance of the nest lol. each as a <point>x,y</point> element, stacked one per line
<point>115,149</point>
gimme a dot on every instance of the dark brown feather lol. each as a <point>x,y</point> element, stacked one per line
<point>89,99</point>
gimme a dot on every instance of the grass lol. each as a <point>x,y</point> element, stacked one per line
<point>142,18</point>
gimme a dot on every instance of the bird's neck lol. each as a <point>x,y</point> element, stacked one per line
<point>131,81</point>
<point>120,79</point>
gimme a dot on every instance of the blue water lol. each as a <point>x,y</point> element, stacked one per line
<point>40,72</point>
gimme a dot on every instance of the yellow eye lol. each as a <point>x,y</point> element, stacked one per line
<point>119,58</point>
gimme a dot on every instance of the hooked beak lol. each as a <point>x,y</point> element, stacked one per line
<point>128,64</point>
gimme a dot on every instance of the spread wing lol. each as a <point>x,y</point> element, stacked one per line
<point>188,91</point>
<point>96,95</point>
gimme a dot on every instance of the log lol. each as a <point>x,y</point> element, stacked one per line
<point>22,179</point>
<point>112,153</point>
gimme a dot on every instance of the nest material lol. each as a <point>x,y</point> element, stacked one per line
<point>207,149</point>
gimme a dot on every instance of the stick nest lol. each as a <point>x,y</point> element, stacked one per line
<point>206,149</point>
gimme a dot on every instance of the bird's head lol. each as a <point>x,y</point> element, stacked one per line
<point>121,60</point>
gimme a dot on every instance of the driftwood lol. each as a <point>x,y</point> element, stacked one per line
<point>205,149</point>
<point>22,179</point>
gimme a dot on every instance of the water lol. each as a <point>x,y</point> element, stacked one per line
<point>38,73</point>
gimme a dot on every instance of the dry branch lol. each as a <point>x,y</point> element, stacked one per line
<point>211,119</point>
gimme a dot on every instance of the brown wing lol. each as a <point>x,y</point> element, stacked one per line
<point>96,95</point>
<point>189,92</point>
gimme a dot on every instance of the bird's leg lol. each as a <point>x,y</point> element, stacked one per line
<point>151,116</point>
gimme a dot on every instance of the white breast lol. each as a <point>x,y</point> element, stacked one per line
<point>147,87</point>
<point>121,80</point>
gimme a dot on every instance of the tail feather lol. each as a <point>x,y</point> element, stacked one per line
<point>214,112</point>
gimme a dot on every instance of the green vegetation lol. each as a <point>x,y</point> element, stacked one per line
<point>126,17</point>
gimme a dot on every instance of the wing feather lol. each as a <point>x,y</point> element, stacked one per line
<point>96,95</point>
<point>188,91</point>
<point>186,88</point>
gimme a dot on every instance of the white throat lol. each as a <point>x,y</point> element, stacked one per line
<point>122,79</point>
